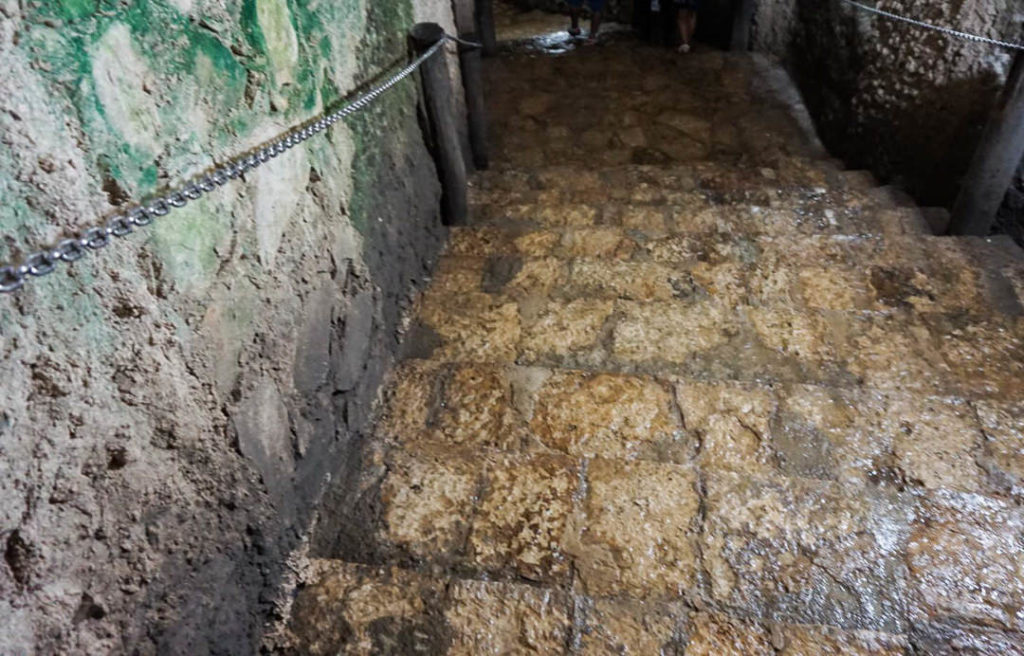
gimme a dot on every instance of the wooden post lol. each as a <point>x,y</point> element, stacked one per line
<point>743,15</point>
<point>994,162</point>
<point>485,26</point>
<point>438,100</point>
<point>476,111</point>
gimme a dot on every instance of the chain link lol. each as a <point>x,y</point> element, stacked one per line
<point>469,44</point>
<point>41,263</point>
<point>938,28</point>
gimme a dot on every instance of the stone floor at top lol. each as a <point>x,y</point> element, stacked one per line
<point>686,386</point>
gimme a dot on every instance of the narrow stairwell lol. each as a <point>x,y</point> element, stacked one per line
<point>686,387</point>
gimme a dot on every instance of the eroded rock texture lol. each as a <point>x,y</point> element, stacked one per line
<point>172,407</point>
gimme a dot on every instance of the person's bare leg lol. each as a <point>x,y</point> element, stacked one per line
<point>687,22</point>
<point>574,21</point>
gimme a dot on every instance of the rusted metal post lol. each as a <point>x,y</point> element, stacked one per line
<point>995,161</point>
<point>476,111</point>
<point>743,16</point>
<point>451,167</point>
<point>485,26</point>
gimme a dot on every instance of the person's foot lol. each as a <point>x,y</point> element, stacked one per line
<point>685,48</point>
<point>574,31</point>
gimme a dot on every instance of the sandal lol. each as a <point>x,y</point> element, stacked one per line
<point>575,31</point>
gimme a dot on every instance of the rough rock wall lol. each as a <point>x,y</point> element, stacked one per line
<point>172,408</point>
<point>908,104</point>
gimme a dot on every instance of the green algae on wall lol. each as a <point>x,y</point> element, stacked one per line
<point>376,149</point>
<point>160,95</point>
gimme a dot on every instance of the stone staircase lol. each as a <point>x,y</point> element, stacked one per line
<point>686,387</point>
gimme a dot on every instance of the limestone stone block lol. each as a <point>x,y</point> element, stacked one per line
<point>639,281</point>
<point>804,339</point>
<point>936,442</point>
<point>986,358</point>
<point>732,424</point>
<point>693,126</point>
<point>889,351</point>
<point>596,242</point>
<point>636,534</point>
<point>475,329</point>
<point>504,618</point>
<point>411,400</point>
<point>536,244</point>
<point>631,628</point>
<point>356,609</point>
<point>455,277</point>
<point>965,561</point>
<point>669,332</point>
<point>537,276</point>
<point>833,288</point>
<point>1003,447</point>
<point>521,521</point>
<point>427,499</point>
<point>611,416</point>
<point>563,329</point>
<point>828,432</point>
<point>806,551</point>
<point>476,409</point>
<point>712,634</point>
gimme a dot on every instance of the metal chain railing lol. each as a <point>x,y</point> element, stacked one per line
<point>937,28</point>
<point>43,262</point>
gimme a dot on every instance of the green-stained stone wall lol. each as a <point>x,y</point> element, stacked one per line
<point>173,408</point>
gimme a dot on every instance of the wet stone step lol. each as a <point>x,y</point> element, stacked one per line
<point>889,440</point>
<point>544,129</point>
<point>692,213</point>
<point>355,609</point>
<point>709,175</point>
<point>760,532</point>
<point>910,256</point>
<point>760,185</point>
<point>850,274</point>
<point>705,338</point>
<point>663,533</point>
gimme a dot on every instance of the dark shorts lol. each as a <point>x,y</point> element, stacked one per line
<point>689,5</point>
<point>595,5</point>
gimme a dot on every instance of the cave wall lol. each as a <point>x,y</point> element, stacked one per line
<point>906,103</point>
<point>173,408</point>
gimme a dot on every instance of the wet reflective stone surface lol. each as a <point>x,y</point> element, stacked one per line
<point>685,386</point>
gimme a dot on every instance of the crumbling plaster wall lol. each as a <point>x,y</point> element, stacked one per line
<point>908,104</point>
<point>173,407</point>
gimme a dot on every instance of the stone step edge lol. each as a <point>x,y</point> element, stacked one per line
<point>881,220</point>
<point>825,164</point>
<point>854,180</point>
<point>681,379</point>
<point>673,263</point>
<point>320,568</point>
